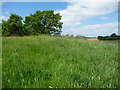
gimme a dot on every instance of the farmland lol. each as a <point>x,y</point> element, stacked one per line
<point>58,62</point>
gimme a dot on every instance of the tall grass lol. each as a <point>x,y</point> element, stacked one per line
<point>58,62</point>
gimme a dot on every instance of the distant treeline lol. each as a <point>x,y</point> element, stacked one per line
<point>41,22</point>
<point>77,36</point>
<point>113,36</point>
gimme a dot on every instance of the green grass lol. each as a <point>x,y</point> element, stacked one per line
<point>58,62</point>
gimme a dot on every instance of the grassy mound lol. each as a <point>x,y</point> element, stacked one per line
<point>58,62</point>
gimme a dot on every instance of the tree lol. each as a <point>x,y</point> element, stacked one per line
<point>5,31</point>
<point>113,35</point>
<point>13,26</point>
<point>43,22</point>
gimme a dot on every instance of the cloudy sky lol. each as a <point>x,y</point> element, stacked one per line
<point>89,18</point>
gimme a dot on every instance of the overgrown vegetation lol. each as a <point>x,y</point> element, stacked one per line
<point>58,62</point>
<point>111,37</point>
<point>41,22</point>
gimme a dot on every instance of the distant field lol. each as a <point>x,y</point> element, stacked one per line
<point>58,62</point>
<point>106,41</point>
<point>92,39</point>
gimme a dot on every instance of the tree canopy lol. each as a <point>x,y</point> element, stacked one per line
<point>13,26</point>
<point>41,22</point>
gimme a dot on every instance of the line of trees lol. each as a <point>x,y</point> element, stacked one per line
<point>41,22</point>
<point>113,36</point>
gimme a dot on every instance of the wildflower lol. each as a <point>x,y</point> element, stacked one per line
<point>28,82</point>
<point>50,86</point>
<point>35,79</point>
<point>92,78</point>
<point>90,84</point>
<point>99,78</point>
<point>8,81</point>
<point>23,80</point>
<point>21,75</point>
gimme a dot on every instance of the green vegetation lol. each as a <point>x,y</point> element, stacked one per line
<point>13,26</point>
<point>41,22</point>
<point>58,62</point>
<point>0,29</point>
<point>111,37</point>
<point>0,58</point>
<point>77,36</point>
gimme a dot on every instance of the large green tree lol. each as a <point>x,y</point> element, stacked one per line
<point>43,22</point>
<point>13,26</point>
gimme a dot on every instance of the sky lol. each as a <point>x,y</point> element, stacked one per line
<point>81,17</point>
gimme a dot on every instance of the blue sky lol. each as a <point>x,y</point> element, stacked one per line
<point>25,8</point>
<point>80,18</point>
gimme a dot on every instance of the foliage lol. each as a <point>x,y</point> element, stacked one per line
<point>45,22</point>
<point>0,29</point>
<point>41,22</point>
<point>111,37</point>
<point>67,63</point>
<point>13,26</point>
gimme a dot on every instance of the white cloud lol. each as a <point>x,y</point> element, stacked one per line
<point>94,30</point>
<point>77,12</point>
<point>3,18</point>
<point>92,0</point>
<point>59,0</point>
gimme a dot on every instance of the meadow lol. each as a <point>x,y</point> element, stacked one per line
<point>58,62</point>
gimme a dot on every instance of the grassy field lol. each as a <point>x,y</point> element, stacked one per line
<point>58,62</point>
